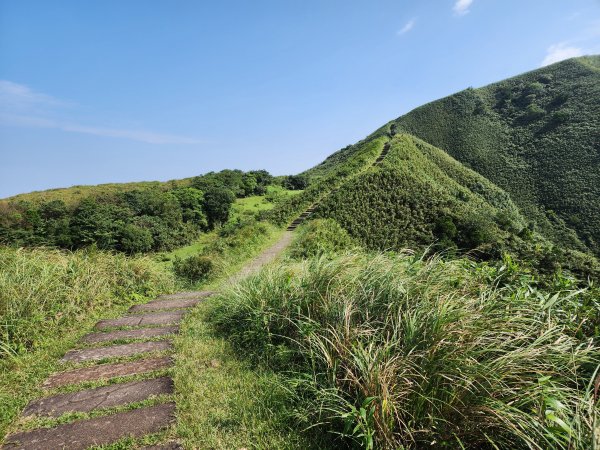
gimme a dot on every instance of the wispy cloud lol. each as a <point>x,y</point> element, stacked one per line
<point>407,27</point>
<point>461,7</point>
<point>20,97</point>
<point>560,51</point>
<point>21,106</point>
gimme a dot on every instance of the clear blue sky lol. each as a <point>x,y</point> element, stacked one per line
<point>127,90</point>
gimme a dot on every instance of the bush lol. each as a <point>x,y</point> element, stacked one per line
<point>401,352</point>
<point>320,236</point>
<point>295,182</point>
<point>217,204</point>
<point>135,239</point>
<point>194,268</point>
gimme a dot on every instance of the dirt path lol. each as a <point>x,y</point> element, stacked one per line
<point>265,257</point>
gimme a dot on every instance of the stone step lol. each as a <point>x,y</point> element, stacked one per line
<point>103,397</point>
<point>98,431</point>
<point>186,295</point>
<point>157,305</point>
<point>140,333</point>
<point>158,318</point>
<point>106,371</point>
<point>115,351</point>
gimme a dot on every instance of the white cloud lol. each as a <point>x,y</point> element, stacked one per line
<point>21,97</point>
<point>461,7</point>
<point>407,27</point>
<point>560,51</point>
<point>21,106</point>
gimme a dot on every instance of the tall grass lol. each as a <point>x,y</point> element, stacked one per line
<point>400,352</point>
<point>43,291</point>
<point>48,299</point>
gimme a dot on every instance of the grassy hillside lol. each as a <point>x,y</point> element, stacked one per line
<point>537,136</point>
<point>418,195</point>
<point>331,174</point>
<point>74,194</point>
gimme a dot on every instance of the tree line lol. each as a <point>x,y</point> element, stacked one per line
<point>141,220</point>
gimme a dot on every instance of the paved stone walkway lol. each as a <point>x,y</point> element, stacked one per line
<point>144,324</point>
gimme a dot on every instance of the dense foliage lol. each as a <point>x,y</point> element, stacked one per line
<point>537,137</point>
<point>319,237</point>
<point>418,196</point>
<point>328,176</point>
<point>401,352</point>
<point>133,221</point>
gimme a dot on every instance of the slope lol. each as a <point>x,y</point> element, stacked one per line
<point>419,195</point>
<point>537,136</point>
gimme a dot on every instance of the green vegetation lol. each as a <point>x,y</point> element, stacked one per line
<point>156,218</point>
<point>418,195</point>
<point>49,298</point>
<point>328,176</point>
<point>223,402</point>
<point>319,237</point>
<point>535,136</point>
<point>402,352</point>
<point>222,255</point>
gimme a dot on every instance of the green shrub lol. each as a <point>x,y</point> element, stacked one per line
<point>318,237</point>
<point>401,352</point>
<point>135,239</point>
<point>194,268</point>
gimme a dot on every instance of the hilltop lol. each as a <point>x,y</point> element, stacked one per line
<point>537,136</point>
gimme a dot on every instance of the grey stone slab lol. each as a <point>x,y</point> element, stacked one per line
<point>107,371</point>
<point>115,351</point>
<point>102,397</point>
<point>140,320</point>
<point>141,333</point>
<point>99,431</point>
<point>186,295</point>
<point>157,305</point>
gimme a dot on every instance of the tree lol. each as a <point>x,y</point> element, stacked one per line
<point>295,182</point>
<point>217,204</point>
<point>191,201</point>
<point>134,239</point>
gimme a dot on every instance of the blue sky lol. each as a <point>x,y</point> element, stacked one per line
<point>129,90</point>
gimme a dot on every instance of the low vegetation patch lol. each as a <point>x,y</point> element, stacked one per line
<point>318,237</point>
<point>223,255</point>
<point>402,352</point>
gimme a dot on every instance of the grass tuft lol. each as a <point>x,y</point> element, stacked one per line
<point>403,352</point>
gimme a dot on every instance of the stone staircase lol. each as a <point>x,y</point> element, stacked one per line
<point>384,152</point>
<point>138,345</point>
<point>301,218</point>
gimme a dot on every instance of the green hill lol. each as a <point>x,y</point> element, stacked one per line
<point>509,167</point>
<point>537,136</point>
<point>418,195</point>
